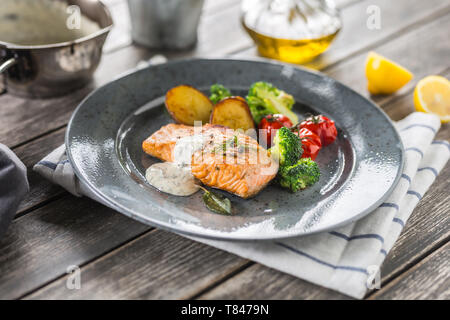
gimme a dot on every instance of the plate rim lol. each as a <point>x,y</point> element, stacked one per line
<point>226,236</point>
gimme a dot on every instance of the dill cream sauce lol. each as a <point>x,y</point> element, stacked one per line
<point>176,177</point>
<point>171,178</point>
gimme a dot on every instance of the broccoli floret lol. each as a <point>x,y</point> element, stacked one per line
<point>293,174</point>
<point>287,147</point>
<point>218,92</point>
<point>263,99</point>
<point>299,176</point>
<point>258,108</point>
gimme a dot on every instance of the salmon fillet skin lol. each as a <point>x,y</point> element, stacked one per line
<point>228,159</point>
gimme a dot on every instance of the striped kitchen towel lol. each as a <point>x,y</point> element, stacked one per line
<point>346,259</point>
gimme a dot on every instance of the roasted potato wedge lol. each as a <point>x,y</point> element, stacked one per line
<point>232,112</point>
<point>187,104</point>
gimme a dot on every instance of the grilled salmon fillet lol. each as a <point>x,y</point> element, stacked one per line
<point>161,143</point>
<point>228,160</point>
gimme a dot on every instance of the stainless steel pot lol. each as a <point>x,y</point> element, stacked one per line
<point>165,24</point>
<point>55,69</point>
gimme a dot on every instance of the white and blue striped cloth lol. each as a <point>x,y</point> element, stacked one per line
<point>346,259</point>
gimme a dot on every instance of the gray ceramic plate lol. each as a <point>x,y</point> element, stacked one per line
<point>359,170</point>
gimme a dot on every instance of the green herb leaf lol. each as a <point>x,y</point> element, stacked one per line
<point>235,141</point>
<point>231,142</point>
<point>217,203</point>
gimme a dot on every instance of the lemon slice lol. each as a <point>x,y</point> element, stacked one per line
<point>432,95</point>
<point>385,76</point>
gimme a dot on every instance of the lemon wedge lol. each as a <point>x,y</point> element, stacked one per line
<point>385,76</point>
<point>432,95</point>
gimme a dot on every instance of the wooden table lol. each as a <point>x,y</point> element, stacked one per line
<point>121,258</point>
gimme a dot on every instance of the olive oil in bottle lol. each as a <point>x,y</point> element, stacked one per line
<point>294,31</point>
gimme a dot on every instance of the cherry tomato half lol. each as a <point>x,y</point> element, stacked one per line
<point>270,124</point>
<point>310,143</point>
<point>323,127</point>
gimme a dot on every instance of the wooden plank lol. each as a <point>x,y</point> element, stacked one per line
<point>431,58</point>
<point>261,283</point>
<point>41,190</point>
<point>397,18</point>
<point>429,279</point>
<point>158,265</point>
<point>22,119</point>
<point>39,247</point>
<point>427,227</point>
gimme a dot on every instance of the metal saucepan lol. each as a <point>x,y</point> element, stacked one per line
<point>165,24</point>
<point>50,69</point>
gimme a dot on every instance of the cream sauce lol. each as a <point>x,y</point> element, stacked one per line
<point>176,177</point>
<point>172,178</point>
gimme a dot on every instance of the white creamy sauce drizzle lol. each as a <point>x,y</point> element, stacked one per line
<point>171,178</point>
<point>176,177</point>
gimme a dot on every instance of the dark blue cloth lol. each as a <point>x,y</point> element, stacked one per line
<point>13,186</point>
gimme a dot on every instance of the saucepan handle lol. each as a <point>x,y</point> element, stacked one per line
<point>7,64</point>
